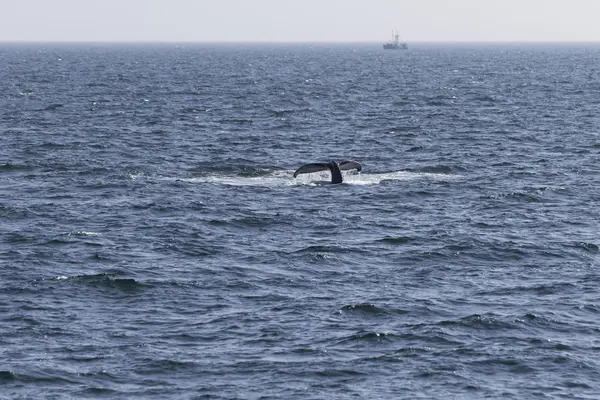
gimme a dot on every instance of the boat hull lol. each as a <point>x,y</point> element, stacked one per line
<point>394,46</point>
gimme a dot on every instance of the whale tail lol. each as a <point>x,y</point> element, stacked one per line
<point>334,167</point>
<point>349,164</point>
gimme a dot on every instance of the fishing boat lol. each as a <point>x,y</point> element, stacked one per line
<point>395,44</point>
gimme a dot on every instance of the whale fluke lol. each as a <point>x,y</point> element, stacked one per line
<point>348,165</point>
<point>309,168</point>
<point>334,167</point>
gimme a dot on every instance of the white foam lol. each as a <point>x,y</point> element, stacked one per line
<point>376,178</point>
<point>240,181</point>
<point>84,233</point>
<point>285,178</point>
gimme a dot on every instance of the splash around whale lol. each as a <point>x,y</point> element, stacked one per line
<point>334,167</point>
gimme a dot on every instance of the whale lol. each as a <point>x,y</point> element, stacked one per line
<point>334,167</point>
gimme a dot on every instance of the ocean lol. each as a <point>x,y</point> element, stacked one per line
<point>155,244</point>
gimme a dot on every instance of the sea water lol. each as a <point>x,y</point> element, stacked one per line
<point>154,244</point>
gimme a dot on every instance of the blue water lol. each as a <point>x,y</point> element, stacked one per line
<point>154,244</point>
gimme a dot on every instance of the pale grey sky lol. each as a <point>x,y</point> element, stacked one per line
<point>299,20</point>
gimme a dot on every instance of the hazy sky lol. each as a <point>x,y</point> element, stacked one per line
<point>299,20</point>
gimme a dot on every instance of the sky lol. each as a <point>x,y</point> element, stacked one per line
<point>299,20</point>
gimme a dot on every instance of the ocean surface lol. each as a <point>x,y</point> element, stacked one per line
<point>154,243</point>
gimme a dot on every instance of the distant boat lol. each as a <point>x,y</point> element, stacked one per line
<point>395,44</point>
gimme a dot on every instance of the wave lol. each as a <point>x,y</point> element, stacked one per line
<point>437,169</point>
<point>6,376</point>
<point>328,249</point>
<point>104,280</point>
<point>10,167</point>
<point>395,240</point>
<point>370,310</point>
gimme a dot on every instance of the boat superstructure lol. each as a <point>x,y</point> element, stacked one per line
<point>395,44</point>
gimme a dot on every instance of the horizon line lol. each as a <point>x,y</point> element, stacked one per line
<point>43,41</point>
